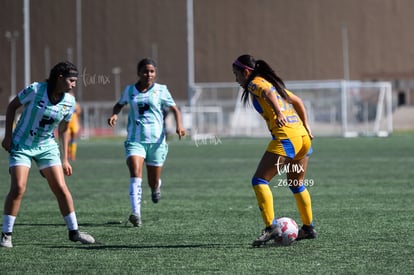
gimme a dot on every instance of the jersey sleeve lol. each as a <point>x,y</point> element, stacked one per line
<point>289,93</point>
<point>28,94</point>
<point>71,102</point>
<point>125,96</point>
<point>258,85</point>
<point>166,97</point>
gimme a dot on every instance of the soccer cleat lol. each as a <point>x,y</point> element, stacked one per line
<point>156,195</point>
<point>6,240</point>
<point>307,232</point>
<point>135,220</point>
<point>269,233</point>
<point>83,237</point>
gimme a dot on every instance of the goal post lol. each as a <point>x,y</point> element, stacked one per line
<point>334,108</point>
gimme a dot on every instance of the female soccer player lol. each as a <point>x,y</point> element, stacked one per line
<point>46,106</point>
<point>289,148</point>
<point>146,137</point>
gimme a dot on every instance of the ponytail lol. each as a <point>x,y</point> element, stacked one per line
<point>262,69</point>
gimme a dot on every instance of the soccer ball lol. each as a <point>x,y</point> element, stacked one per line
<point>289,230</point>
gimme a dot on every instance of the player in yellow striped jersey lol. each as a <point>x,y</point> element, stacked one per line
<point>74,129</point>
<point>289,149</point>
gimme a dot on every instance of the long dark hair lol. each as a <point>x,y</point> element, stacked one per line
<point>262,69</point>
<point>65,69</point>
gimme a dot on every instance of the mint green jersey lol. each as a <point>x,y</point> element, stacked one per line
<point>146,118</point>
<point>40,117</point>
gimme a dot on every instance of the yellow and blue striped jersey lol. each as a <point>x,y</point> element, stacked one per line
<point>294,126</point>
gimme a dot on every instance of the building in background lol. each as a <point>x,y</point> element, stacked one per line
<point>303,40</point>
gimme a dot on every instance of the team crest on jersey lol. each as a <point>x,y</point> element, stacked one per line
<point>66,107</point>
<point>156,94</point>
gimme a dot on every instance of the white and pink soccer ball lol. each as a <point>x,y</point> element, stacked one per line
<point>289,230</point>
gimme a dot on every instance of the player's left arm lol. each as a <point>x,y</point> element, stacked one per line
<point>300,109</point>
<point>179,126</point>
<point>64,137</point>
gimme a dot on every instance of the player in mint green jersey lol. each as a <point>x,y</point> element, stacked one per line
<point>46,106</point>
<point>146,141</point>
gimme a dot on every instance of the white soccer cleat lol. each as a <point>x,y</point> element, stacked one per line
<point>82,237</point>
<point>6,241</point>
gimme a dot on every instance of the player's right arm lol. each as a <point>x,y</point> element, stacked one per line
<point>271,98</point>
<point>10,115</point>
<point>114,117</point>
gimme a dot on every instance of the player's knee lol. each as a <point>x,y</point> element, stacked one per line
<point>297,189</point>
<point>17,193</point>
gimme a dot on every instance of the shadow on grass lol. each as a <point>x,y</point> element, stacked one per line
<point>100,246</point>
<point>40,224</point>
<point>123,224</point>
<point>106,224</point>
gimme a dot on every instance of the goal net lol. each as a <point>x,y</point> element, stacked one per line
<point>335,108</point>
